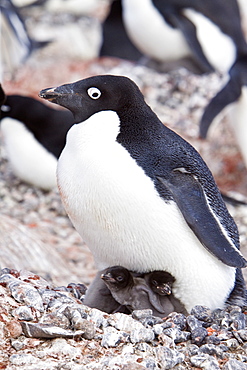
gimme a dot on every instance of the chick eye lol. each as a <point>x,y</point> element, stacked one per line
<point>94,93</point>
<point>119,278</point>
<point>154,282</point>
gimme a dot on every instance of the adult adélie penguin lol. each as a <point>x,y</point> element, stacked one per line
<point>142,197</point>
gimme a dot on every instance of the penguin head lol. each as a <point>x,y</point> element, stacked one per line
<point>161,282</point>
<point>117,277</point>
<point>94,94</point>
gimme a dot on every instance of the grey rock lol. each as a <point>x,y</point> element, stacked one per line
<point>99,318</point>
<point>205,361</point>
<point>37,330</point>
<point>239,322</point>
<point>177,335</point>
<point>141,314</point>
<point>25,293</point>
<point>55,318</point>
<point>212,339</point>
<point>143,347</point>
<point>193,350</point>
<point>151,321</point>
<point>202,313</point>
<point>168,358</point>
<point>23,359</point>
<point>193,322</point>
<point>149,363</point>
<point>243,334</point>
<point>198,335</point>
<point>17,344</point>
<point>217,316</point>
<point>232,343</point>
<point>177,319</point>
<point>111,337</point>
<point>211,349</point>
<point>233,364</point>
<point>23,313</point>
<point>142,335</point>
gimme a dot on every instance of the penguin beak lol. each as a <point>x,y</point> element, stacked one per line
<point>65,96</point>
<point>48,94</point>
<point>55,94</point>
<point>107,277</point>
<point>165,289</point>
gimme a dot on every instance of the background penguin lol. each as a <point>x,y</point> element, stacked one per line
<point>141,196</point>
<point>169,30</point>
<point>34,136</point>
<point>115,41</point>
<point>233,96</point>
<point>16,44</point>
<point>133,292</point>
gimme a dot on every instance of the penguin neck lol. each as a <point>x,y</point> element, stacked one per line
<point>138,121</point>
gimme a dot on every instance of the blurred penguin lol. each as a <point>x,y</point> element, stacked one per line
<point>230,100</point>
<point>209,31</point>
<point>16,44</point>
<point>34,136</point>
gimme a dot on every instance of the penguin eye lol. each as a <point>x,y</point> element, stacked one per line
<point>94,92</point>
<point>120,278</point>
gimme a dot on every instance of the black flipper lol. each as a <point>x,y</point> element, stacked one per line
<point>189,32</point>
<point>191,200</point>
<point>229,94</point>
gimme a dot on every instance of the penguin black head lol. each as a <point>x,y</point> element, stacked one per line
<point>160,282</point>
<point>117,277</point>
<point>99,93</point>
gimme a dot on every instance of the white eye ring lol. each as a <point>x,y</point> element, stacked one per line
<point>94,93</point>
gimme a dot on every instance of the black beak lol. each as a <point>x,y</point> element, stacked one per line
<point>165,289</point>
<point>48,94</point>
<point>107,277</point>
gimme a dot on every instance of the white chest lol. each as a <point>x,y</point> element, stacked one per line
<point>119,214</point>
<point>150,33</point>
<point>30,161</point>
<point>218,48</point>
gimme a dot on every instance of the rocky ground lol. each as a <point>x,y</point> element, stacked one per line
<point>36,235</point>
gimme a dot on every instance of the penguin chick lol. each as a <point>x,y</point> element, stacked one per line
<point>34,136</point>
<point>133,292</point>
<point>141,196</point>
<point>160,282</point>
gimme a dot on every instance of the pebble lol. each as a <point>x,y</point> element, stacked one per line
<point>169,357</point>
<point>234,365</point>
<point>111,337</point>
<point>203,339</point>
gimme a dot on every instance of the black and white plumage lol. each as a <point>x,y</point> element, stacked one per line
<point>134,292</point>
<point>16,44</point>
<point>141,196</point>
<point>232,96</point>
<point>34,136</point>
<point>173,29</point>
